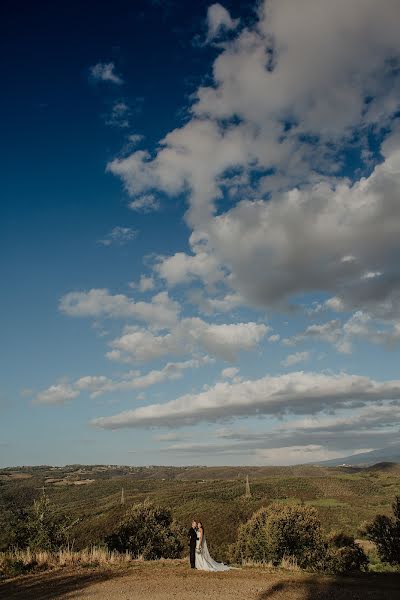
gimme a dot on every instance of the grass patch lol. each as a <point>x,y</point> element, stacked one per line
<point>331,502</point>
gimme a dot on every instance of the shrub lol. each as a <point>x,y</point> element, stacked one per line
<point>344,555</point>
<point>278,532</point>
<point>147,531</point>
<point>384,531</point>
<point>39,527</point>
<point>13,567</point>
<point>45,528</point>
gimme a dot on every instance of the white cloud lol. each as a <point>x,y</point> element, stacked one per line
<point>135,380</point>
<point>135,138</point>
<point>119,115</point>
<point>295,455</point>
<point>296,393</point>
<point>98,385</point>
<point>275,337</point>
<point>277,85</point>
<point>92,383</point>
<point>218,21</point>
<point>360,325</point>
<point>294,359</point>
<point>375,426</point>
<point>119,235</point>
<point>56,394</point>
<point>209,305</point>
<point>332,332</point>
<point>161,311</point>
<point>105,72</point>
<point>310,438</point>
<point>172,436</point>
<point>293,240</point>
<point>181,268</point>
<point>335,304</point>
<point>224,341</point>
<point>146,284</point>
<point>145,204</point>
<point>229,372</point>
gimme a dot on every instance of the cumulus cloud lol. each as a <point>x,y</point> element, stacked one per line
<point>97,385</point>
<point>218,21</point>
<point>119,235</point>
<point>332,332</point>
<point>294,359</point>
<point>294,393</point>
<point>208,304</point>
<point>287,95</point>
<point>105,72</point>
<point>119,115</point>
<point>229,372</point>
<point>161,311</point>
<point>275,337</point>
<point>57,394</point>
<point>145,204</point>
<point>360,325</point>
<point>303,233</point>
<point>135,380</point>
<point>182,268</point>
<point>189,335</point>
<point>146,284</point>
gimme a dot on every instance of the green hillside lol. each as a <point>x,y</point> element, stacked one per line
<point>343,497</point>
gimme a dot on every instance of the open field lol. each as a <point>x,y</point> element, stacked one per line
<point>166,580</point>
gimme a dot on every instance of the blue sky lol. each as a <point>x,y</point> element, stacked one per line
<point>199,232</point>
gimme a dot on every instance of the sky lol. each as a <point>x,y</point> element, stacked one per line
<point>200,219</point>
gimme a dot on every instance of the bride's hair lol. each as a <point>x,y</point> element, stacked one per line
<point>200,524</point>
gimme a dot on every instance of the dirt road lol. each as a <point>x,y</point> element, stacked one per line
<point>172,581</point>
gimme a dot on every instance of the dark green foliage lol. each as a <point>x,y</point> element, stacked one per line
<point>384,531</point>
<point>344,555</point>
<point>14,509</point>
<point>147,530</point>
<point>281,531</point>
<point>13,567</point>
<point>41,527</point>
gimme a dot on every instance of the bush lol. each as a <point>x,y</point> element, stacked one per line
<point>385,533</point>
<point>278,532</point>
<point>39,527</point>
<point>344,555</point>
<point>45,528</point>
<point>14,567</point>
<point>147,531</point>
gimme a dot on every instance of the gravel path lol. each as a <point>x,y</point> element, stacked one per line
<point>174,581</point>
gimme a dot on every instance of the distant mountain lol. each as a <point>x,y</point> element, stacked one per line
<point>383,455</point>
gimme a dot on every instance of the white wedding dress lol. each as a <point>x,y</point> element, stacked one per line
<point>204,562</point>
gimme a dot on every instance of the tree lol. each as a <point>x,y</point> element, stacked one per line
<point>384,531</point>
<point>344,555</point>
<point>280,531</point>
<point>14,512</point>
<point>147,530</point>
<point>39,527</point>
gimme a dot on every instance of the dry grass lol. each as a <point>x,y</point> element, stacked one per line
<point>41,559</point>
<point>288,563</point>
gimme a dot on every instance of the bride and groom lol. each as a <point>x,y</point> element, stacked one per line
<point>199,555</point>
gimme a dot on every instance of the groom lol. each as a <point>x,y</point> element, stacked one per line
<point>192,535</point>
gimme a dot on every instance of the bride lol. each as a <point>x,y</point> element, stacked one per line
<point>204,562</point>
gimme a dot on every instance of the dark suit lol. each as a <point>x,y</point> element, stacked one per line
<point>192,535</point>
